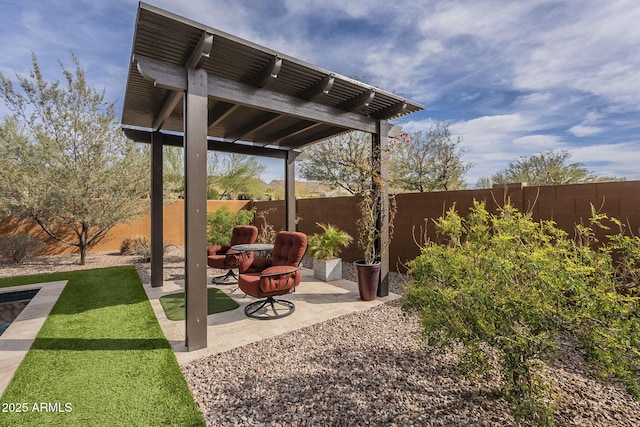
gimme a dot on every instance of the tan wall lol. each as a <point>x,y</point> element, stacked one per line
<point>173,228</point>
<point>565,204</point>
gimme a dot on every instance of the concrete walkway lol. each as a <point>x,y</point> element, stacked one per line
<point>315,302</point>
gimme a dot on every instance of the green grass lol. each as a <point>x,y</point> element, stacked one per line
<point>102,354</point>
<point>217,302</point>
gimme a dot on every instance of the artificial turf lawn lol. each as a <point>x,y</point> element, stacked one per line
<point>217,302</point>
<point>101,354</point>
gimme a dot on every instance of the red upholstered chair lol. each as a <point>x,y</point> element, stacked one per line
<point>222,256</point>
<point>269,277</point>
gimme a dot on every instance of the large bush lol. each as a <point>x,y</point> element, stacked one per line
<point>21,246</point>
<point>507,286</point>
<point>221,222</point>
<point>140,246</point>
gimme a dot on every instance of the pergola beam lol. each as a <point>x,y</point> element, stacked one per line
<point>321,88</point>
<point>269,72</point>
<point>220,114</point>
<point>267,119</point>
<point>362,100</point>
<point>199,54</point>
<point>173,77</point>
<point>176,140</point>
<point>391,111</point>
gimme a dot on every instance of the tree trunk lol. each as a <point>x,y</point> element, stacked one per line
<point>83,254</point>
<point>83,244</point>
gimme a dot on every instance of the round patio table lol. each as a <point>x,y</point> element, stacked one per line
<point>252,247</point>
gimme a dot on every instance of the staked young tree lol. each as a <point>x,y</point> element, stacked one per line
<point>430,161</point>
<point>549,167</point>
<point>64,162</point>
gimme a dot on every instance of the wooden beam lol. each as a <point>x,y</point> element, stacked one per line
<point>320,88</point>
<point>217,115</point>
<point>265,120</point>
<point>199,54</point>
<point>291,131</point>
<point>269,72</point>
<point>391,111</point>
<point>177,140</point>
<point>168,107</point>
<point>173,77</point>
<point>364,99</point>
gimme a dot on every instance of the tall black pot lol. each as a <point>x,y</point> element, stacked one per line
<point>368,279</point>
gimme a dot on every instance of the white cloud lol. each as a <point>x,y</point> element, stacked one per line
<point>618,160</point>
<point>590,52</point>
<point>539,142</point>
<point>583,130</point>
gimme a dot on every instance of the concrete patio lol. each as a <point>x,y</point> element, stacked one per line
<point>315,302</point>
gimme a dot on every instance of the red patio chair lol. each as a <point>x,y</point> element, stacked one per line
<point>222,256</point>
<point>270,277</point>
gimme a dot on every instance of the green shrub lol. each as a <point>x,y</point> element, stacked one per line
<point>221,222</point>
<point>21,246</point>
<point>327,245</point>
<point>515,285</point>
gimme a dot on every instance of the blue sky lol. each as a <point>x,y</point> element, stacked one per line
<point>511,78</point>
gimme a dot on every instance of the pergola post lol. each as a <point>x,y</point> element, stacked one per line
<point>157,211</point>
<point>195,147</point>
<point>380,141</point>
<point>290,191</point>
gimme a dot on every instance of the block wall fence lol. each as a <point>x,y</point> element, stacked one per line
<point>565,204</point>
<point>173,228</point>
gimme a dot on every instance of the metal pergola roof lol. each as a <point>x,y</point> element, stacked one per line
<point>286,103</point>
<point>197,87</point>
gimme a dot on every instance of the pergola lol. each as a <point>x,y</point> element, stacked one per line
<point>196,87</point>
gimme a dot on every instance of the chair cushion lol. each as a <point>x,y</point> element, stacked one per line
<point>244,234</point>
<point>279,282</point>
<point>289,248</point>
<point>229,259</point>
<point>249,283</point>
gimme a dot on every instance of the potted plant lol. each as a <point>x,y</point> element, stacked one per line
<point>374,203</point>
<point>324,248</point>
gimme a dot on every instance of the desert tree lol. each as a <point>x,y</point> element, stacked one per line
<point>429,161</point>
<point>64,162</point>
<point>239,174</point>
<point>546,168</point>
<point>343,161</point>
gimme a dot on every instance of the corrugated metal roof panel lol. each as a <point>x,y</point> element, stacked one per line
<point>171,39</point>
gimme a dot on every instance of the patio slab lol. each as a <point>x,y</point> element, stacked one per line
<point>315,302</point>
<point>17,339</point>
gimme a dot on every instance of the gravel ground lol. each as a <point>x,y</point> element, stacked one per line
<point>366,368</point>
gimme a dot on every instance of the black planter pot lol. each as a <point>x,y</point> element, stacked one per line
<point>368,279</point>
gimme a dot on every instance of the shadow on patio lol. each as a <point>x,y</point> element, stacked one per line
<point>315,301</point>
